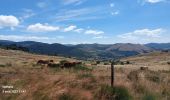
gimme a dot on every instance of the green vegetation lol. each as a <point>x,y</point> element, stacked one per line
<point>149,96</point>
<point>85,75</point>
<point>63,61</point>
<point>106,92</point>
<point>1,65</point>
<point>127,62</point>
<point>82,67</point>
<point>66,96</point>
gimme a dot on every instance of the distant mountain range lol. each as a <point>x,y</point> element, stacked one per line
<point>89,51</point>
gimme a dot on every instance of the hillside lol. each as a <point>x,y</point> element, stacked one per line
<point>89,82</point>
<point>86,51</point>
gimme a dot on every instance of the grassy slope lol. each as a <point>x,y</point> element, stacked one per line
<point>40,82</point>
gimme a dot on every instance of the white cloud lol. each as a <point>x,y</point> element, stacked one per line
<point>8,21</point>
<point>70,28</point>
<point>79,30</point>
<point>143,35</point>
<point>21,38</point>
<point>100,37</point>
<point>112,5</point>
<point>76,2</point>
<point>31,38</point>
<point>93,32</point>
<point>115,13</point>
<point>154,1</point>
<point>80,14</point>
<point>27,13</point>
<point>42,28</point>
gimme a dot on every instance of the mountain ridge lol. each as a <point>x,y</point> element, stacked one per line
<point>89,51</point>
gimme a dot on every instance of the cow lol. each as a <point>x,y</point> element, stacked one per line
<point>71,64</point>
<point>144,68</point>
<point>43,62</point>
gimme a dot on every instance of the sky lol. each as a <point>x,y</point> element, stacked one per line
<point>85,21</point>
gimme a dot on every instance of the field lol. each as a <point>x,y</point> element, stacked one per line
<point>85,82</point>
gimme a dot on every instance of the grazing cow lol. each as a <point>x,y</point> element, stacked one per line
<point>42,62</point>
<point>71,64</point>
<point>144,68</point>
<point>51,61</point>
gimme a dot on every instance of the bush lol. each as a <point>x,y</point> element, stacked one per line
<point>122,63</point>
<point>63,61</point>
<point>106,63</point>
<point>149,97</point>
<point>66,97</point>
<point>54,65</point>
<point>127,62</point>
<point>106,92</point>
<point>121,93</point>
<point>1,65</point>
<point>97,62</point>
<point>168,62</point>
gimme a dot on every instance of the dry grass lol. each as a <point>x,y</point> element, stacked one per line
<point>42,83</point>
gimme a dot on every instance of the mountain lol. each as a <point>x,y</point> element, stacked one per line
<point>88,51</point>
<point>159,46</point>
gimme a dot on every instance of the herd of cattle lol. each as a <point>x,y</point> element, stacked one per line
<point>51,63</point>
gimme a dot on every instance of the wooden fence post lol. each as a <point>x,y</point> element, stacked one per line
<point>112,74</point>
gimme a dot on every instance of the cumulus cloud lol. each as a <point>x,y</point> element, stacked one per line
<point>70,28</point>
<point>93,32</point>
<point>8,21</point>
<point>143,35</point>
<point>143,32</point>
<point>42,28</point>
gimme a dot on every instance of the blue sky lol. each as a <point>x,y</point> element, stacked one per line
<point>85,21</point>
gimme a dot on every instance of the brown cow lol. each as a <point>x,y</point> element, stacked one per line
<point>42,62</point>
<point>71,64</point>
<point>144,68</point>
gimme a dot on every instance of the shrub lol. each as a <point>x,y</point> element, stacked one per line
<point>168,62</point>
<point>1,65</point>
<point>122,63</point>
<point>106,63</point>
<point>149,97</point>
<point>63,61</point>
<point>54,65</point>
<point>155,78</point>
<point>127,62</point>
<point>121,93</point>
<point>106,92</point>
<point>67,96</point>
<point>97,62</point>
